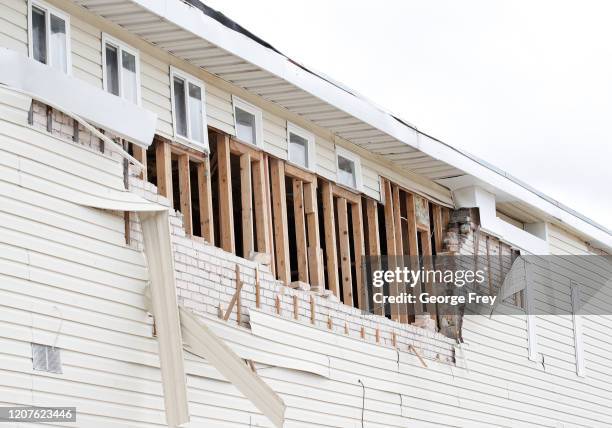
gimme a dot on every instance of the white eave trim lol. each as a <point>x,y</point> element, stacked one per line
<point>118,116</point>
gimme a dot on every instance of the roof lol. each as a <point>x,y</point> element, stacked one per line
<point>208,39</point>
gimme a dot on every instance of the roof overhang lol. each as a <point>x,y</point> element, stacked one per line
<point>190,34</point>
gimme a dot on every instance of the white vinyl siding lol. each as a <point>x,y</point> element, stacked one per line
<point>86,46</point>
<point>14,25</point>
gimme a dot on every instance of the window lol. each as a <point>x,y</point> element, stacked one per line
<point>248,120</point>
<point>348,168</point>
<point>188,110</point>
<point>301,146</point>
<point>121,69</point>
<point>49,36</point>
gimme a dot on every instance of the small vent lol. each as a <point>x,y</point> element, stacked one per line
<point>46,358</point>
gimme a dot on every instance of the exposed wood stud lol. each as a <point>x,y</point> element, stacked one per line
<point>330,238</point>
<point>377,334</point>
<point>358,245</point>
<point>428,265</point>
<point>373,242</point>
<point>261,207</point>
<point>185,192</point>
<point>49,119</point>
<point>296,307</point>
<point>226,212</point>
<point>346,328</point>
<point>438,227</point>
<point>140,154</point>
<point>314,240</point>
<point>363,333</point>
<point>312,309</point>
<point>205,200</point>
<point>163,162</point>
<point>75,138</point>
<point>330,323</point>
<point>413,249</point>
<point>394,339</point>
<point>418,355</point>
<point>246,198</point>
<point>277,304</point>
<point>268,203</point>
<point>279,209</point>
<point>300,230</point>
<point>390,237</point>
<point>257,288</point>
<point>235,299</point>
<point>345,252</point>
<point>399,249</point>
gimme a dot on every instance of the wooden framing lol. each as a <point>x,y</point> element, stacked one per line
<point>373,240</point>
<point>345,252</point>
<point>315,261</point>
<point>246,197</point>
<point>205,200</point>
<point>163,161</point>
<point>260,192</point>
<point>226,212</point>
<point>413,245</point>
<point>428,265</point>
<point>140,154</point>
<point>438,228</point>
<point>300,230</point>
<point>399,248</point>
<point>185,192</point>
<point>391,247</point>
<point>358,246</point>
<point>279,209</point>
<point>329,225</point>
<point>270,225</point>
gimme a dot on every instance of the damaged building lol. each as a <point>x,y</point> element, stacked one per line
<point>185,214</point>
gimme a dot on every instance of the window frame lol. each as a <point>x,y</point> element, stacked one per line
<point>255,111</point>
<point>292,128</point>
<point>189,79</point>
<point>121,46</point>
<point>60,14</point>
<point>354,157</point>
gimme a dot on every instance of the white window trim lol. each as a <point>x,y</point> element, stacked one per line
<point>195,81</point>
<point>58,13</point>
<point>120,47</point>
<point>310,146</point>
<point>249,108</point>
<point>347,154</point>
<point>577,324</point>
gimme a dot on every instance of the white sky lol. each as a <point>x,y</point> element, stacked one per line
<point>525,85</point>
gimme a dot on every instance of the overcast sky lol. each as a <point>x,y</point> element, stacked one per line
<point>525,85</point>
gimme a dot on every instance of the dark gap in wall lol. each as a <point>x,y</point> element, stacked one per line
<point>322,232</point>
<point>432,232</point>
<point>151,165</point>
<point>354,266</point>
<point>214,187</point>
<point>237,203</point>
<point>255,218</point>
<point>195,199</point>
<point>382,236</point>
<point>293,258</point>
<point>176,191</point>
